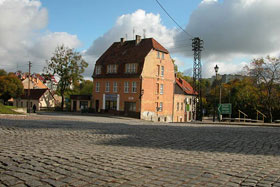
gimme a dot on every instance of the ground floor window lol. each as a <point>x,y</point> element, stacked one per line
<point>110,105</point>
<point>83,105</point>
<point>130,106</point>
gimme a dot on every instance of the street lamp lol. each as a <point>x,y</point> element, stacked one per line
<point>216,68</point>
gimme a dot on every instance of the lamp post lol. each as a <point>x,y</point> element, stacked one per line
<point>216,68</point>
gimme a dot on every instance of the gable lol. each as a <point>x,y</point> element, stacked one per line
<point>122,53</point>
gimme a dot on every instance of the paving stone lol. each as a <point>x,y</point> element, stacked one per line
<point>106,151</point>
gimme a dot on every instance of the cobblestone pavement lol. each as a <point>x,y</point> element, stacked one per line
<point>98,151</point>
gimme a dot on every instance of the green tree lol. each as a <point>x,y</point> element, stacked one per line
<point>2,72</point>
<point>10,87</point>
<point>86,87</point>
<point>68,65</point>
<point>266,73</point>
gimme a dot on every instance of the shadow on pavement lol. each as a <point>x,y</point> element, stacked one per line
<point>243,140</point>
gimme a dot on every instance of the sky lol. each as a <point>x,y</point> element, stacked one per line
<point>234,31</point>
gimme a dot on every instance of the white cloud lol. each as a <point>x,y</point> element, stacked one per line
<point>125,25</point>
<point>234,28</point>
<point>21,26</point>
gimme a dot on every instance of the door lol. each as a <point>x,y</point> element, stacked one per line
<point>97,105</point>
<point>74,106</point>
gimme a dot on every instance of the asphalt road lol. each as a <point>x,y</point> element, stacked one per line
<point>72,150</point>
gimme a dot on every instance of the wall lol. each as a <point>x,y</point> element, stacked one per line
<point>150,78</point>
<point>123,97</point>
<point>183,115</point>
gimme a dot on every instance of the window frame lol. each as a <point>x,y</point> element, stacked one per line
<point>115,87</point>
<point>160,106</point>
<point>158,54</point>
<point>98,70</point>
<point>126,87</point>
<point>97,90</point>
<point>162,71</point>
<point>107,87</point>
<point>161,89</point>
<point>133,87</point>
<point>111,68</point>
<point>131,68</point>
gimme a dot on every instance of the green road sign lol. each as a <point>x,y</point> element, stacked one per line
<point>225,108</point>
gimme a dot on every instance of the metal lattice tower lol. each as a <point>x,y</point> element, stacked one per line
<point>197,48</point>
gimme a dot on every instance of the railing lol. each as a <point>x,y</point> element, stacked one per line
<point>263,116</point>
<point>240,112</point>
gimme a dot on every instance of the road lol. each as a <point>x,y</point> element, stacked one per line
<point>67,150</point>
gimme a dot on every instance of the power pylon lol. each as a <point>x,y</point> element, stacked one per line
<point>197,48</point>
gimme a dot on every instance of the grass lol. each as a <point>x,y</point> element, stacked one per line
<point>6,110</point>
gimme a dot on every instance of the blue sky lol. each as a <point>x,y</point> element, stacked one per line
<point>90,19</point>
<point>234,31</point>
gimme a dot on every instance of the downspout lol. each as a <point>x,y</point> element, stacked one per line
<point>140,96</point>
<point>173,99</point>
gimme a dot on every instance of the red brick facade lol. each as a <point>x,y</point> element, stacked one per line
<point>135,78</point>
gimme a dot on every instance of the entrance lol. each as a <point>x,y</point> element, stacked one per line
<point>97,105</point>
<point>74,106</point>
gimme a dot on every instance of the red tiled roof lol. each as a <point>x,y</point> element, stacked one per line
<point>127,52</point>
<point>35,94</point>
<point>186,87</point>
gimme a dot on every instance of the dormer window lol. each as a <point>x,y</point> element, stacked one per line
<point>131,68</point>
<point>97,70</point>
<point>112,68</point>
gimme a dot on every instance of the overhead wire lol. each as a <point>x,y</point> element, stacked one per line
<point>173,19</point>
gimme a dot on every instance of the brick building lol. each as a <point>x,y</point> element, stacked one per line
<point>184,97</point>
<point>135,78</point>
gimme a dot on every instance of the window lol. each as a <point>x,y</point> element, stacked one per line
<point>98,70</point>
<point>158,70</point>
<point>115,87</point>
<point>161,88</point>
<point>134,87</point>
<point>157,91</point>
<point>162,71</point>
<point>97,87</point>
<point>158,54</point>
<point>130,68</point>
<point>160,106</point>
<point>107,87</point>
<point>162,55</point>
<point>178,105</point>
<point>130,106</point>
<point>112,68</point>
<point>126,87</point>
<point>182,106</point>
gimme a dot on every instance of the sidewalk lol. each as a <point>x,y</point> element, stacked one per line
<point>238,123</point>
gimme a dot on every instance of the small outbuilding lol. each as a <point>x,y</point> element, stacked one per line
<point>41,98</point>
<point>80,102</point>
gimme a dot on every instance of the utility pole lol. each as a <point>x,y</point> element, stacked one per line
<point>29,70</point>
<point>197,48</point>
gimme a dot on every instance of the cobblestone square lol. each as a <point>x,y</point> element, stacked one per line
<point>104,151</point>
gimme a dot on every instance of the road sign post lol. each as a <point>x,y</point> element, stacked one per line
<point>225,108</point>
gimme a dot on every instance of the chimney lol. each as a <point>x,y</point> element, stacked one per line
<point>122,40</point>
<point>138,39</point>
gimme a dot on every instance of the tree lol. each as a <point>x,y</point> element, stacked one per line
<point>68,65</point>
<point>266,73</point>
<point>2,72</point>
<point>10,87</point>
